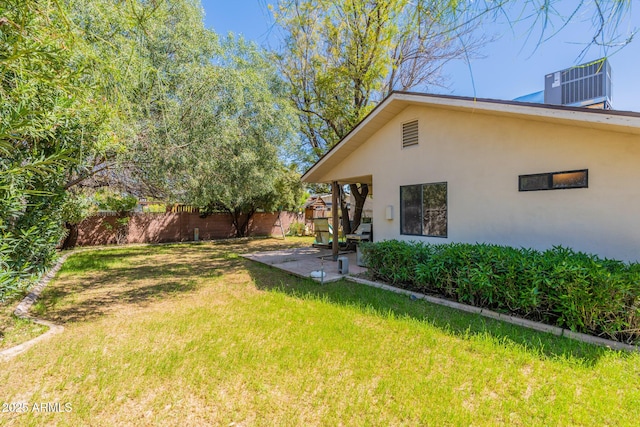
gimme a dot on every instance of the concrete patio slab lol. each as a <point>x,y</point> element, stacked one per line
<point>303,261</point>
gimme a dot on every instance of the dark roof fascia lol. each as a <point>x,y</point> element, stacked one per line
<point>526,104</point>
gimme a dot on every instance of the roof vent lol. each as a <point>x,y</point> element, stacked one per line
<point>409,134</point>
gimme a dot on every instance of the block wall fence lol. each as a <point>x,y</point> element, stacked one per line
<point>178,227</point>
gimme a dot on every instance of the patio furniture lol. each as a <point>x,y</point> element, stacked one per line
<point>361,234</point>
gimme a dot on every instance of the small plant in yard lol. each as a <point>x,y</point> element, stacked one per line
<point>560,286</point>
<point>296,229</point>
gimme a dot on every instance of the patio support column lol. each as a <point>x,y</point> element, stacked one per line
<point>335,191</point>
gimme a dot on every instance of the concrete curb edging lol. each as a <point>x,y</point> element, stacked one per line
<point>22,309</point>
<point>11,352</point>
<point>22,312</point>
<point>542,327</point>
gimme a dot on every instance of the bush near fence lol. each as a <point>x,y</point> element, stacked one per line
<point>559,286</point>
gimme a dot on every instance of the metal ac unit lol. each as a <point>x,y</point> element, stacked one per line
<point>585,85</point>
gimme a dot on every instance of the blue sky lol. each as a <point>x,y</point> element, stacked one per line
<point>511,66</point>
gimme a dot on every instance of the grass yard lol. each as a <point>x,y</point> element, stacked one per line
<point>13,330</point>
<point>196,335</point>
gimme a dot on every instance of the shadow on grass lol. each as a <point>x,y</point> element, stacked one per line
<point>82,294</point>
<point>450,321</point>
<point>90,284</point>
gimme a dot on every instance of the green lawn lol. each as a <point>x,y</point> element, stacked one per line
<point>196,335</point>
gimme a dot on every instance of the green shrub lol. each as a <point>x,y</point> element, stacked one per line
<point>155,208</point>
<point>28,242</point>
<point>571,289</point>
<point>122,205</point>
<point>296,229</point>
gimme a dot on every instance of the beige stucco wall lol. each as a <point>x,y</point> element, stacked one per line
<point>480,157</point>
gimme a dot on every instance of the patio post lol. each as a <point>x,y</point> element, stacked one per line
<point>335,189</point>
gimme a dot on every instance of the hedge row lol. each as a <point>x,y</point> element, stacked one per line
<point>559,286</point>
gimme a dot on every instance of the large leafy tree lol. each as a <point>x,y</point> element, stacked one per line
<point>83,86</point>
<point>140,53</point>
<point>341,57</point>
<point>223,133</point>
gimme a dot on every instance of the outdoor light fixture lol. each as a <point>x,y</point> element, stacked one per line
<point>389,212</point>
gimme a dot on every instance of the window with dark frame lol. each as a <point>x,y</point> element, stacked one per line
<point>554,180</point>
<point>423,210</point>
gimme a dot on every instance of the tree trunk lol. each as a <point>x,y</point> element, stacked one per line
<point>247,222</point>
<point>242,228</point>
<point>235,220</point>
<point>122,228</point>
<point>72,236</point>
<point>360,195</point>
<point>346,224</point>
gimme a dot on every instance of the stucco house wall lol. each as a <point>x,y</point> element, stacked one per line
<point>480,156</point>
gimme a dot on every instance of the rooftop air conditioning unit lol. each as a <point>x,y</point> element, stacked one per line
<point>586,85</point>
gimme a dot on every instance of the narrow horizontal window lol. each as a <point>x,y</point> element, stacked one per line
<point>554,180</point>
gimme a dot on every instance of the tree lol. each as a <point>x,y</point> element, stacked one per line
<point>47,118</point>
<point>547,18</point>
<point>224,130</point>
<point>81,83</point>
<point>341,58</point>
<point>122,205</point>
<point>140,52</point>
<point>76,207</point>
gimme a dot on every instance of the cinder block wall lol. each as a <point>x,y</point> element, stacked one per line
<point>177,227</point>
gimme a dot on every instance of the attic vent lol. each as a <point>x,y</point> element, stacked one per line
<point>410,134</point>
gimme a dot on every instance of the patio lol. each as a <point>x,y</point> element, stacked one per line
<point>303,261</point>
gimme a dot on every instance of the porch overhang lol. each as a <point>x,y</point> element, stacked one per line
<point>364,179</point>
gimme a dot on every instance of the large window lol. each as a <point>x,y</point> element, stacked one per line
<point>423,209</point>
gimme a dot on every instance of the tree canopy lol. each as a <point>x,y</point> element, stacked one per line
<point>126,94</point>
<point>342,57</point>
<point>221,144</point>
